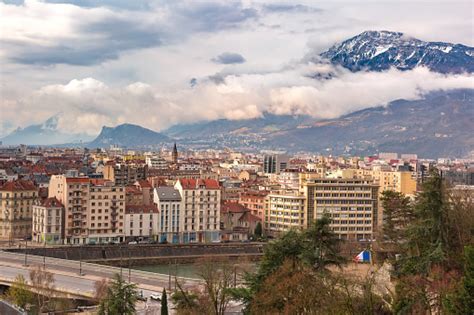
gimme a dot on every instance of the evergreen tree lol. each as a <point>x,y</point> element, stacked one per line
<point>397,215</point>
<point>427,234</point>
<point>120,299</point>
<point>164,303</point>
<point>258,230</point>
<point>321,245</point>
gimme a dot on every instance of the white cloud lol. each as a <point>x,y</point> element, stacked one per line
<point>88,104</point>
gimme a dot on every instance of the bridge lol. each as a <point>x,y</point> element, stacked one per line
<point>76,279</point>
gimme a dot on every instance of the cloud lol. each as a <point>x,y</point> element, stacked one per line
<point>228,58</point>
<point>289,8</point>
<point>91,32</point>
<point>88,104</point>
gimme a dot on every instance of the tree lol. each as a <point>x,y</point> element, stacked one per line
<point>397,215</point>
<point>258,230</point>
<point>321,246</point>
<point>164,303</point>
<point>120,298</point>
<point>42,283</point>
<point>186,302</point>
<point>101,288</point>
<point>19,292</point>
<point>218,278</point>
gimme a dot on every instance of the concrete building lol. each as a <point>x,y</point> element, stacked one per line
<point>351,203</point>
<point>201,202</point>
<point>94,209</point>
<point>171,218</point>
<point>274,163</point>
<point>284,211</point>
<point>48,222</point>
<point>156,162</point>
<point>254,200</point>
<point>16,209</point>
<point>141,222</point>
<point>125,174</point>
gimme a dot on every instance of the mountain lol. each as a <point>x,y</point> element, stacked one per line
<point>128,136</point>
<point>380,50</point>
<point>439,125</point>
<point>267,123</point>
<point>46,133</point>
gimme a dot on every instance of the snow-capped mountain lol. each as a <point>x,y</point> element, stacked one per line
<point>380,50</point>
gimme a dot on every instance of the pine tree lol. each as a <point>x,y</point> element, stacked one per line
<point>258,230</point>
<point>164,303</point>
<point>120,299</point>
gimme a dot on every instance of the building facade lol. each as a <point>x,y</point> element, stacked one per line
<point>171,222</point>
<point>351,203</point>
<point>16,209</point>
<point>48,222</point>
<point>201,206</point>
<point>283,212</point>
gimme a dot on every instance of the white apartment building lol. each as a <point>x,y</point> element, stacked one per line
<point>141,222</point>
<point>171,219</point>
<point>284,211</point>
<point>201,206</point>
<point>48,222</point>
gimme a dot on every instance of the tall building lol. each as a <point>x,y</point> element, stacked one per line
<point>275,163</point>
<point>94,209</point>
<point>175,154</point>
<point>351,203</point>
<point>201,202</point>
<point>284,212</point>
<point>171,220</point>
<point>48,222</point>
<point>141,222</point>
<point>16,209</point>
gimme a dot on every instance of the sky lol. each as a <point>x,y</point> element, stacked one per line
<point>158,63</point>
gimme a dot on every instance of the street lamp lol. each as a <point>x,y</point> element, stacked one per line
<point>26,252</point>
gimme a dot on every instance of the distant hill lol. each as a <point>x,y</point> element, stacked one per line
<point>128,136</point>
<point>439,125</point>
<point>380,50</point>
<point>46,133</point>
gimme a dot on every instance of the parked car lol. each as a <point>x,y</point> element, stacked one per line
<point>156,297</point>
<point>132,243</point>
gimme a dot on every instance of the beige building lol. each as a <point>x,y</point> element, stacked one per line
<point>48,222</point>
<point>201,209</point>
<point>171,219</point>
<point>283,212</point>
<point>94,209</point>
<point>351,203</point>
<point>16,209</point>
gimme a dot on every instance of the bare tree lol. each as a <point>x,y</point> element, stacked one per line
<point>218,277</point>
<point>42,283</point>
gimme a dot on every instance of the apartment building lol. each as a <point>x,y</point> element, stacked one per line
<point>125,174</point>
<point>254,200</point>
<point>156,162</point>
<point>201,206</point>
<point>141,222</point>
<point>94,209</point>
<point>284,211</point>
<point>171,222</point>
<point>237,223</point>
<point>48,222</point>
<point>16,209</point>
<point>275,163</point>
<point>351,203</point>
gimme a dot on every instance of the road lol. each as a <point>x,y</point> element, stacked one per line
<point>67,273</point>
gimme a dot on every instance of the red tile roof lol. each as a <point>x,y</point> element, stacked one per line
<point>233,207</point>
<point>52,202</point>
<point>195,183</point>
<point>77,180</point>
<point>19,185</point>
<point>144,184</point>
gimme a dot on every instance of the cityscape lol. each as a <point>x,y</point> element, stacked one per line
<point>236,157</point>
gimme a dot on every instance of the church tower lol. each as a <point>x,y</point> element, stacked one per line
<point>175,154</point>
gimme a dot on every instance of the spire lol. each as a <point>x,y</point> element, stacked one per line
<point>175,154</point>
